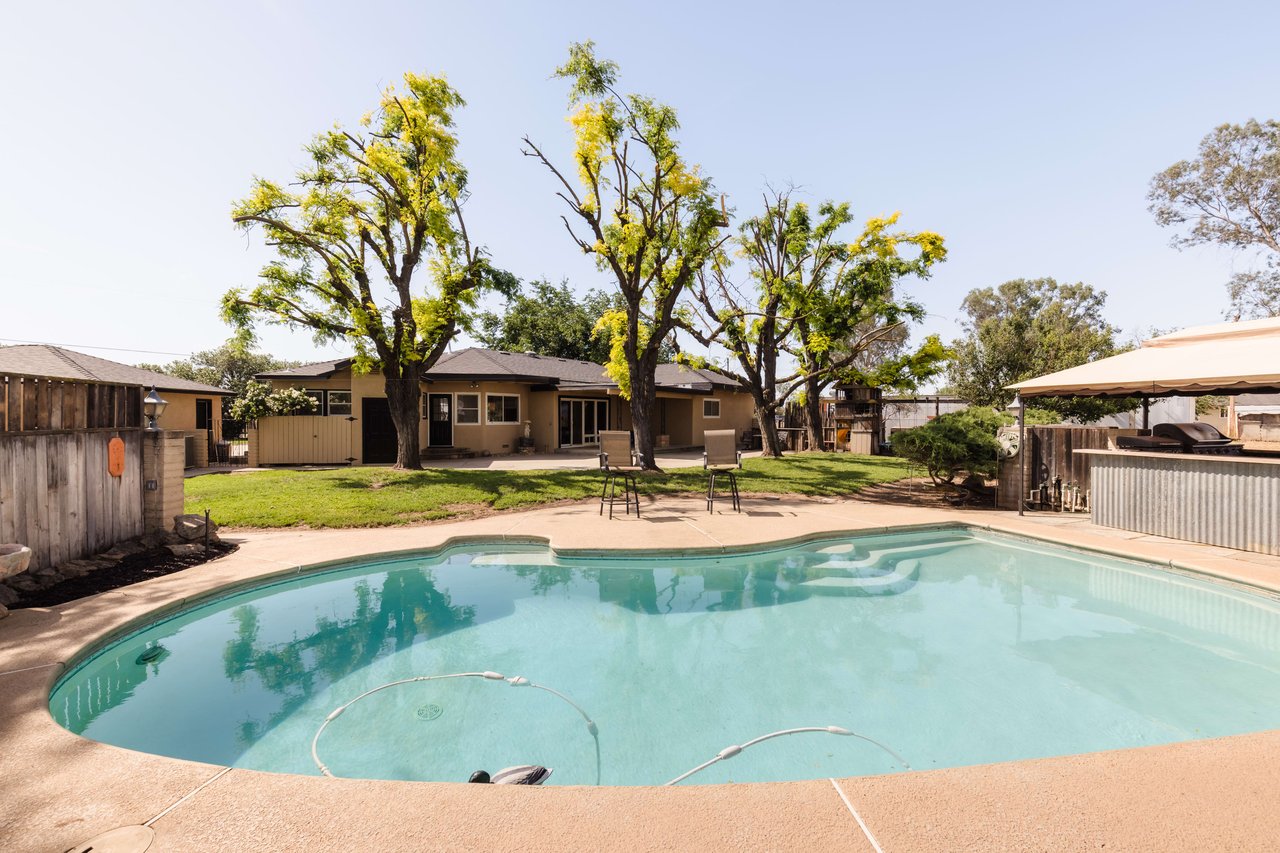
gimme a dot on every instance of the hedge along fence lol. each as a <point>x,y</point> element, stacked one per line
<point>58,494</point>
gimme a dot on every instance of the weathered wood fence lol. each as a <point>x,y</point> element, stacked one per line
<point>57,494</point>
<point>1049,452</point>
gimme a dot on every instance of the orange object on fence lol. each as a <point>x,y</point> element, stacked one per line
<point>115,457</point>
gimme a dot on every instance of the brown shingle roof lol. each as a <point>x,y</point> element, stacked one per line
<point>59,363</point>
<point>500,364</point>
<point>314,370</point>
<point>479,363</point>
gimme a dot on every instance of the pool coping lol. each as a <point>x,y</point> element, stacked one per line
<point>984,805</point>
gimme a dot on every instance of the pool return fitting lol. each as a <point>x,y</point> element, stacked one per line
<point>594,730</point>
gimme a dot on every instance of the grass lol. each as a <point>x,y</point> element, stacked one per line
<point>379,497</point>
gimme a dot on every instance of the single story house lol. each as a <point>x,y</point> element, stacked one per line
<point>486,401</point>
<point>194,407</point>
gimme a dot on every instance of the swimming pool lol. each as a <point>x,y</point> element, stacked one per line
<point>949,647</point>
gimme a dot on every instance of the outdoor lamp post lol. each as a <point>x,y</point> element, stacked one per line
<point>1019,408</point>
<point>153,406</point>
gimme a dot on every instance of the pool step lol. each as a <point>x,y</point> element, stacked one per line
<point>531,558</point>
<point>876,558</point>
<point>903,576</point>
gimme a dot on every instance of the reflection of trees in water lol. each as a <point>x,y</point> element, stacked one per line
<point>545,578</point>
<point>407,608</point>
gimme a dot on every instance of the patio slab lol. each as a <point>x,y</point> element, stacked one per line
<point>59,790</point>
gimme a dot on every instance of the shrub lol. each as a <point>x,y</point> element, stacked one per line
<point>953,444</point>
<point>258,401</point>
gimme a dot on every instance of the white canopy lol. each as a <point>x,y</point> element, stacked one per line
<point>1223,358</point>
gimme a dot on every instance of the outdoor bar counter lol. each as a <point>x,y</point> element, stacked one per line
<point>1232,501</point>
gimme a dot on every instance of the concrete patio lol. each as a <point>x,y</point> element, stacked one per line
<point>60,790</point>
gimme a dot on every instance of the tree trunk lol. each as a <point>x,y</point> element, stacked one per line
<point>813,412</point>
<point>769,443</point>
<point>404,397</point>
<point>644,400</point>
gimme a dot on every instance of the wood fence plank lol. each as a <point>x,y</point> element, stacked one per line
<point>55,405</point>
<point>28,404</point>
<point>14,414</point>
<point>7,527</point>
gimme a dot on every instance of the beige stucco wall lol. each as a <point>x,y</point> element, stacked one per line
<point>483,437</point>
<point>737,412</point>
<point>685,420</point>
<point>679,419</point>
<point>543,414</point>
<point>181,412</point>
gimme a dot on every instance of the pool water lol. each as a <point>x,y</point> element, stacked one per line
<point>947,646</point>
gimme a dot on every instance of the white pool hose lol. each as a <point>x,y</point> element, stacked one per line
<point>733,749</point>
<point>520,681</point>
<point>514,681</point>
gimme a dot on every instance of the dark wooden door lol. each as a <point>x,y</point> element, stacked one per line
<point>378,431</point>
<point>204,414</point>
<point>440,420</point>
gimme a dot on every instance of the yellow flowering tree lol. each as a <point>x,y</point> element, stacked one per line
<point>368,210</point>
<point>648,217</point>
<point>835,305</point>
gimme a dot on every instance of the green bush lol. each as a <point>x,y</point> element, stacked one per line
<point>258,401</point>
<point>953,444</point>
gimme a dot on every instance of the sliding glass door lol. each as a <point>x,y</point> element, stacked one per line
<point>582,420</point>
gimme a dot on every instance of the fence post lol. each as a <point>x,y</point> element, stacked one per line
<point>163,457</point>
<point>253,460</point>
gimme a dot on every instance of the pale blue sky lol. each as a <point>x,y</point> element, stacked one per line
<point>1025,133</point>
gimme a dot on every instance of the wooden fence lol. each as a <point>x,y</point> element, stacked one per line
<point>1049,452</point>
<point>57,494</point>
<point>303,440</point>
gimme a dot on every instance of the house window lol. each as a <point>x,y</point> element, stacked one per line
<point>502,408</point>
<point>468,409</point>
<point>339,403</point>
<point>711,408</point>
<point>318,396</point>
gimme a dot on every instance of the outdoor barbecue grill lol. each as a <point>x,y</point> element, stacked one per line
<point>1197,438</point>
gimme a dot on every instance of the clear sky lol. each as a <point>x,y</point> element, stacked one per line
<point>1025,133</point>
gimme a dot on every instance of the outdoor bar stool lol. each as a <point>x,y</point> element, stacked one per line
<point>615,448</point>
<point>721,458</point>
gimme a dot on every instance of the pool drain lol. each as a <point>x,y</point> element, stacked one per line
<point>429,711</point>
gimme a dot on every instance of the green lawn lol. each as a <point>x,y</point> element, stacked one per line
<point>377,497</point>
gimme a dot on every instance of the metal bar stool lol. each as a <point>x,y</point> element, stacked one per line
<point>616,445</point>
<point>721,458</point>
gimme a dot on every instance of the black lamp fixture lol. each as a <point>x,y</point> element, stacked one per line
<point>153,406</point>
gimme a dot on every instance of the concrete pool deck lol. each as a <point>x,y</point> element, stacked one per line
<point>58,790</point>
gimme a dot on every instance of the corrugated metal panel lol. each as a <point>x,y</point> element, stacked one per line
<point>1228,502</point>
